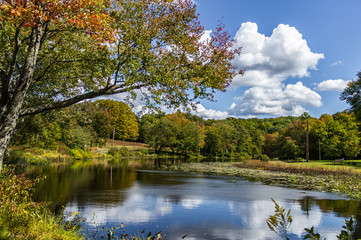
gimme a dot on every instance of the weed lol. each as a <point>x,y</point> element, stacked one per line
<point>20,217</point>
<point>282,220</point>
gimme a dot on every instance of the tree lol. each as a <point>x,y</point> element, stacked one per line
<point>288,142</point>
<point>221,139</point>
<point>77,126</point>
<point>189,135</point>
<point>58,52</point>
<point>122,118</point>
<point>176,132</point>
<point>338,134</point>
<point>352,95</point>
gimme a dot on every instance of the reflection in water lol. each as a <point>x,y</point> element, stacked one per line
<point>178,204</point>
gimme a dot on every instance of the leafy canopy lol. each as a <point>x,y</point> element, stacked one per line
<point>90,48</point>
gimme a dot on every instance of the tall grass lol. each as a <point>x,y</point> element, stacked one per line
<point>313,169</point>
<point>22,218</point>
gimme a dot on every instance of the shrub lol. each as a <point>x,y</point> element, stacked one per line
<point>116,152</point>
<point>15,156</point>
<point>20,217</point>
<point>113,152</point>
<point>264,158</point>
<point>80,154</point>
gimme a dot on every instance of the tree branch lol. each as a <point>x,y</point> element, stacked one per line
<point>6,78</point>
<point>65,103</point>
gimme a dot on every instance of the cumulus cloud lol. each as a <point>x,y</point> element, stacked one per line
<point>332,85</point>
<point>290,100</point>
<point>269,61</point>
<point>273,59</point>
<point>201,111</point>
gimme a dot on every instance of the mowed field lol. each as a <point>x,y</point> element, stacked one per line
<point>130,145</point>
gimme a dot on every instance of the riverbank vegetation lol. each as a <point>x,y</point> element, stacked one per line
<point>22,218</point>
<point>314,177</point>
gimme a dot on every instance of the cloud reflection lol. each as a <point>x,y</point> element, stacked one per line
<point>205,215</point>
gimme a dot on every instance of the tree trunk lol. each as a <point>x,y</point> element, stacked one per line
<point>7,129</point>
<point>11,104</point>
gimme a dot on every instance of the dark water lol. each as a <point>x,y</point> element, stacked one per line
<point>179,204</point>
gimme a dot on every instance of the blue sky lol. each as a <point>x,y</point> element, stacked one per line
<point>298,55</point>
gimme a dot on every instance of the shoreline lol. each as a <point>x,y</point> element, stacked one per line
<point>326,182</point>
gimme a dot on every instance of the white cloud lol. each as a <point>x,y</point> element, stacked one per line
<point>290,100</point>
<point>332,85</point>
<point>201,111</point>
<point>336,63</point>
<point>206,36</point>
<point>268,62</point>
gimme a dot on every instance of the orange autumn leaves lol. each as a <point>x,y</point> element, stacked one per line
<point>88,16</point>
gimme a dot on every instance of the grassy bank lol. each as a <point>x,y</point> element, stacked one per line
<point>313,177</point>
<point>24,155</point>
<point>21,218</point>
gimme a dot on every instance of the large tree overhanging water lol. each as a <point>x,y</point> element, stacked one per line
<point>57,53</point>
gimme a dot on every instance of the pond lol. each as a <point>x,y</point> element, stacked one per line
<point>186,205</point>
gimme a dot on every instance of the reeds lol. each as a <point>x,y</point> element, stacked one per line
<point>313,170</point>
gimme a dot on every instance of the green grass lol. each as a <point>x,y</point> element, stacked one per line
<point>347,164</point>
<point>21,218</point>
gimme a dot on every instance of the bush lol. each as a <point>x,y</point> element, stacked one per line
<point>116,152</point>
<point>20,217</point>
<point>15,156</point>
<point>141,153</point>
<point>80,154</point>
<point>264,158</point>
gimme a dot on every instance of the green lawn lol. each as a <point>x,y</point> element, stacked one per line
<point>354,164</point>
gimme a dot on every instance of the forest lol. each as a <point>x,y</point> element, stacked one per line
<point>91,124</point>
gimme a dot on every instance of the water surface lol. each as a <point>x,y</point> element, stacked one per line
<point>179,204</point>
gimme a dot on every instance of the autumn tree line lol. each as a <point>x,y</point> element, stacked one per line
<point>91,124</point>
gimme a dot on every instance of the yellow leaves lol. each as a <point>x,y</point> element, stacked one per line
<point>89,16</point>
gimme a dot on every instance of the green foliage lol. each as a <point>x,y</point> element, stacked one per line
<point>21,218</point>
<point>344,235</point>
<point>122,118</point>
<point>351,94</point>
<point>348,229</point>
<point>120,233</point>
<point>79,126</point>
<point>80,154</point>
<point>116,152</point>
<point>312,235</point>
<point>99,48</point>
<point>221,139</point>
<point>288,143</point>
<point>22,157</point>
<point>280,221</point>
<point>338,135</point>
<point>175,132</point>
<point>39,131</point>
<point>264,158</point>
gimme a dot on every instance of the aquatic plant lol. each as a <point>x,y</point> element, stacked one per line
<point>281,221</point>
